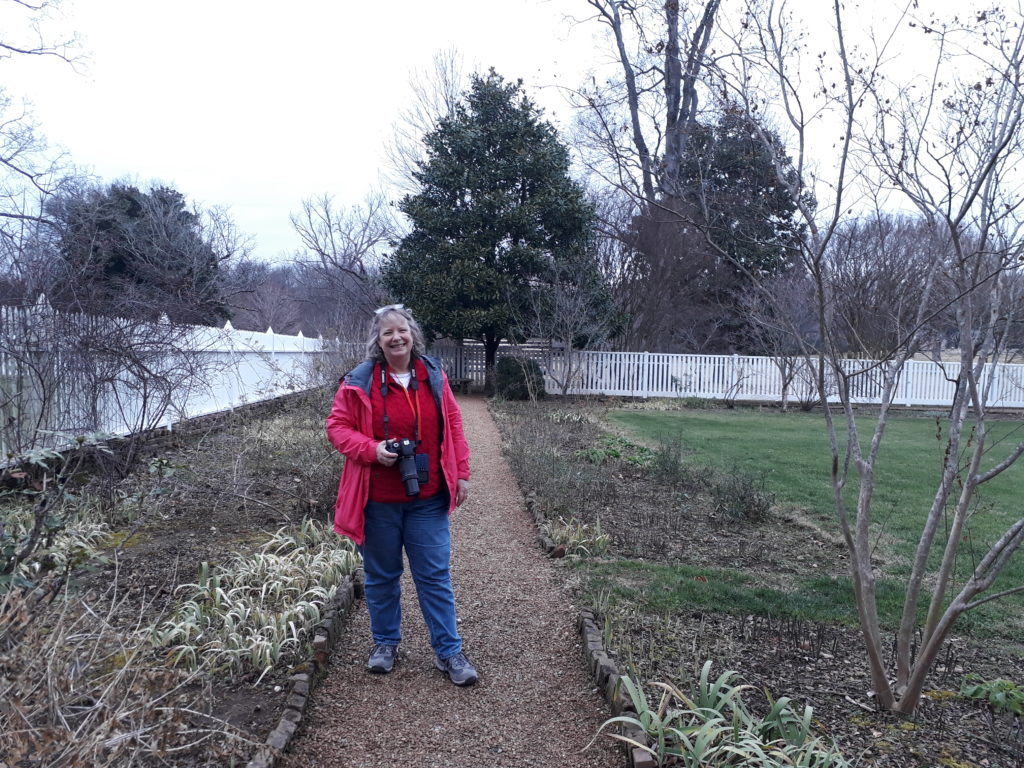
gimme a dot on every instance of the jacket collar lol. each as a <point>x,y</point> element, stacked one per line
<point>362,375</point>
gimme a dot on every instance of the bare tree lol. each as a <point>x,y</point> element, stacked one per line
<point>342,250</point>
<point>435,93</point>
<point>571,307</point>
<point>263,296</point>
<point>708,211</point>
<point>30,170</point>
<point>69,374</point>
<point>782,325</point>
<point>949,146</point>
<point>878,270</point>
<point>658,93</point>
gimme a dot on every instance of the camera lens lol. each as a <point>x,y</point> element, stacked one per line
<point>406,450</point>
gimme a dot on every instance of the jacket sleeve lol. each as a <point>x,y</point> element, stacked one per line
<point>453,420</point>
<point>343,427</point>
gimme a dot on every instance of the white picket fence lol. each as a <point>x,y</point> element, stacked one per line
<point>51,386</point>
<point>748,378</point>
<point>735,377</point>
<point>229,367</point>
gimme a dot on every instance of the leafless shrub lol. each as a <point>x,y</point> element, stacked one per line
<point>34,536</point>
<point>78,374</point>
<point>338,263</point>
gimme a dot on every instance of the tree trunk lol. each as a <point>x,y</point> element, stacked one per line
<point>681,90</point>
<point>490,359</point>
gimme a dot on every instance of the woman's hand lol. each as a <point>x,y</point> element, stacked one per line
<point>384,456</point>
<point>461,492</point>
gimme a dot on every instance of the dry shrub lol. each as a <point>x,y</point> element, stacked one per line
<point>78,692</point>
<point>542,445</point>
<point>580,472</point>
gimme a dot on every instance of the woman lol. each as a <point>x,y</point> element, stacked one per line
<point>400,395</point>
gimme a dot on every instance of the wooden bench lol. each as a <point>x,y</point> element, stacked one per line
<point>460,385</point>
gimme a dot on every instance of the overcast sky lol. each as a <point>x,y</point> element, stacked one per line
<point>258,104</point>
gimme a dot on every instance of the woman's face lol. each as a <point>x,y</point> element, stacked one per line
<point>395,339</point>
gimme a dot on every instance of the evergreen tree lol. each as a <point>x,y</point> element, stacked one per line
<point>495,211</point>
<point>730,176</point>
<point>138,254</point>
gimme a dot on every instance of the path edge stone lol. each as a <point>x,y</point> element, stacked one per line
<point>325,635</point>
<point>606,678</point>
<point>550,548</point>
<point>603,670</point>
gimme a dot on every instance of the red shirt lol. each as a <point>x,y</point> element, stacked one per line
<point>385,482</point>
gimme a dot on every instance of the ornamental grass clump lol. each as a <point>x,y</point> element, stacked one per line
<point>1004,712</point>
<point>78,688</point>
<point>712,727</point>
<point>254,611</point>
<point>577,538</point>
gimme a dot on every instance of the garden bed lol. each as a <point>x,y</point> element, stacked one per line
<point>212,496</point>
<point>675,581</point>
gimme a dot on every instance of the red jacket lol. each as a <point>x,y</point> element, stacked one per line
<point>350,430</point>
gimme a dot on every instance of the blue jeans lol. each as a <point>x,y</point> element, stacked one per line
<point>421,527</point>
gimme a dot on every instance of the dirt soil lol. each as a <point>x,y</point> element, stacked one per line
<point>534,705</point>
<point>824,667</point>
<point>226,488</point>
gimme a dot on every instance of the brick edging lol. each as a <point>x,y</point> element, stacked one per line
<point>549,547</point>
<point>606,677</point>
<point>325,634</point>
<point>602,669</point>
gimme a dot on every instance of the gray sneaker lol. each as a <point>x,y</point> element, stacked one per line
<point>458,668</point>
<point>382,659</point>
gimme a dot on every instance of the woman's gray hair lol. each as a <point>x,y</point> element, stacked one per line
<point>373,350</point>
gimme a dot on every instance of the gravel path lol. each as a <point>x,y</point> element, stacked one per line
<point>534,705</point>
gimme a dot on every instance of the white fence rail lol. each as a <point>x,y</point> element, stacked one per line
<point>745,378</point>
<point>736,377</point>
<point>75,374</point>
<point>56,375</point>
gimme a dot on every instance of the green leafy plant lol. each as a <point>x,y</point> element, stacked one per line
<point>712,727</point>
<point>615,447</point>
<point>518,379</point>
<point>782,722</point>
<point>1000,695</point>
<point>598,454</point>
<point>716,696</point>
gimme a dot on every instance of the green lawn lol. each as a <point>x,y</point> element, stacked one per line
<point>791,451</point>
<point>659,589</point>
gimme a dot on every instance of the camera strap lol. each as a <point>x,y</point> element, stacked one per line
<point>414,400</point>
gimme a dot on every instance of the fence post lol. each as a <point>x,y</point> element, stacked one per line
<point>903,378</point>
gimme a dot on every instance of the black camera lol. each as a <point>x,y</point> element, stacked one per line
<point>411,465</point>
